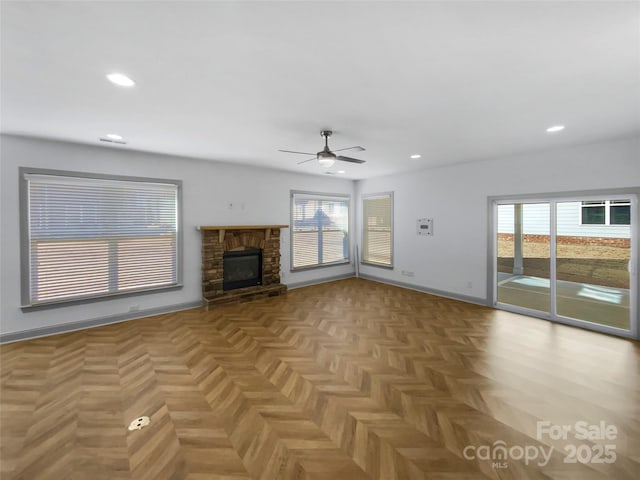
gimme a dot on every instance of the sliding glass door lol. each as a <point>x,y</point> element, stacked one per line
<point>569,260</point>
<point>593,254</point>
<point>524,260</point>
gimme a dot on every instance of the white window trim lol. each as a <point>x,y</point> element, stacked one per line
<point>25,267</point>
<point>364,228</point>
<point>321,196</point>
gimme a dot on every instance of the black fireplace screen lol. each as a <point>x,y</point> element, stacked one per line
<point>242,268</point>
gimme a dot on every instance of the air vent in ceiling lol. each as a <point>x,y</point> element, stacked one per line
<point>108,140</point>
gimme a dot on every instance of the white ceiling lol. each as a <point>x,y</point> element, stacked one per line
<point>453,81</point>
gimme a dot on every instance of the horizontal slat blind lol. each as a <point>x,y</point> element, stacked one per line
<point>91,237</point>
<point>378,229</point>
<point>319,230</point>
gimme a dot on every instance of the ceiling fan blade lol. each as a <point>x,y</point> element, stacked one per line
<point>349,159</point>
<point>357,147</point>
<point>307,160</point>
<point>292,151</point>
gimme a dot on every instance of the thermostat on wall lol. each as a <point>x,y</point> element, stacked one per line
<point>425,226</point>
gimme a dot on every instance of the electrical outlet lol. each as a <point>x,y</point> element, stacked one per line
<point>134,308</point>
<point>407,273</point>
<point>469,284</point>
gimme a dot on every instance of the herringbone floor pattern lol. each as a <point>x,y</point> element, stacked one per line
<point>347,380</point>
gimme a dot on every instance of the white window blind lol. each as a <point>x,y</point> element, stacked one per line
<point>377,213</point>
<point>89,237</point>
<point>319,230</point>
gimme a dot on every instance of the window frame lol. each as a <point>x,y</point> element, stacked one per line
<point>392,225</point>
<point>25,239</point>
<point>321,196</point>
<point>607,204</point>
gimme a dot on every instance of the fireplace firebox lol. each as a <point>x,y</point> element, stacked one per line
<point>242,268</point>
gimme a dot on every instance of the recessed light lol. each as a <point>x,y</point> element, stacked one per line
<point>120,79</point>
<point>555,128</point>
<point>416,155</point>
<point>114,136</point>
<point>341,171</point>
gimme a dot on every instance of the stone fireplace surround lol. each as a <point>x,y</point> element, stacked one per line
<point>218,239</point>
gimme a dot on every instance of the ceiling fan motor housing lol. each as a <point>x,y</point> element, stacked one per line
<point>326,154</point>
<point>326,157</point>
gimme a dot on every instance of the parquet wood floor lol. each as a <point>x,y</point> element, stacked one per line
<point>343,381</point>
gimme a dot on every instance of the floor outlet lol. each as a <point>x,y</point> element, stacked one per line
<point>139,423</point>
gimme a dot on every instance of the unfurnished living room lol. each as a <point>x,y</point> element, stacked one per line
<point>333,240</point>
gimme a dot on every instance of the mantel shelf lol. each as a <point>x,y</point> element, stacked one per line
<point>222,229</point>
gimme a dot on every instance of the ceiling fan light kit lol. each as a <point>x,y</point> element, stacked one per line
<point>325,157</point>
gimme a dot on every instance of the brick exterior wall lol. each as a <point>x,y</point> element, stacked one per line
<point>213,251</point>
<point>566,240</point>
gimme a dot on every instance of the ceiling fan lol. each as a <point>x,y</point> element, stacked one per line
<point>326,158</point>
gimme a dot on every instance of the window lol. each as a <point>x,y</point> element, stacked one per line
<point>86,237</point>
<point>606,212</point>
<point>377,218</point>
<point>319,230</point>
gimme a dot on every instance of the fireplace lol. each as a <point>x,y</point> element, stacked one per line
<point>242,268</point>
<point>240,263</point>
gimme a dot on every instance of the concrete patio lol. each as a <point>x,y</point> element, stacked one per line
<point>593,303</point>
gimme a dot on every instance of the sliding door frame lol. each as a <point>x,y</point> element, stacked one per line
<point>553,199</point>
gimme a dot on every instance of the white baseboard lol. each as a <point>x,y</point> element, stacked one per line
<point>431,291</point>
<point>94,322</point>
<point>292,286</point>
<point>124,317</point>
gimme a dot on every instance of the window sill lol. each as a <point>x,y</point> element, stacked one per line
<point>324,265</point>
<point>100,298</point>
<point>603,225</point>
<point>379,265</point>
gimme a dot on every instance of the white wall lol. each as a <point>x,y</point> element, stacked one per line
<point>456,198</point>
<point>207,187</point>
